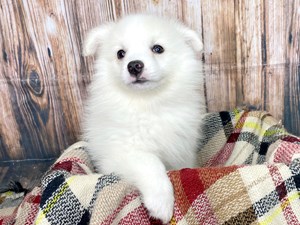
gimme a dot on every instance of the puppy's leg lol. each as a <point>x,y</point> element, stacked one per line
<point>148,174</point>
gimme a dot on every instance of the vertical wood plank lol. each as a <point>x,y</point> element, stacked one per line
<point>276,42</point>
<point>292,78</point>
<point>249,58</point>
<point>218,19</point>
<point>160,7</point>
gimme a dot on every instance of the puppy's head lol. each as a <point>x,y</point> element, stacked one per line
<point>142,52</point>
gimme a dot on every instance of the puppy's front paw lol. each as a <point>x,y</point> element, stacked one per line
<point>160,202</point>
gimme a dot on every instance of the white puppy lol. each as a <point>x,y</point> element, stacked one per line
<point>145,104</point>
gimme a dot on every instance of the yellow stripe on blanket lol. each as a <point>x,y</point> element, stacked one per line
<point>42,213</point>
<point>173,221</point>
<point>257,126</point>
<point>237,114</point>
<point>261,131</point>
<point>282,206</point>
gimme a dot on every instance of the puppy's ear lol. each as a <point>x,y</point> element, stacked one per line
<point>192,38</point>
<point>95,38</point>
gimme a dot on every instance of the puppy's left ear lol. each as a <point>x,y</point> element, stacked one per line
<point>192,38</point>
<point>95,38</point>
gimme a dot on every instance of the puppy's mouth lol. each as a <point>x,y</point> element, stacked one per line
<point>143,84</point>
<point>140,81</point>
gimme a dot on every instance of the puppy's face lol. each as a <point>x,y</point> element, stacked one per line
<point>142,52</point>
<point>140,55</point>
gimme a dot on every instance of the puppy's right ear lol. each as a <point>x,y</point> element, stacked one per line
<point>95,38</point>
<point>191,37</point>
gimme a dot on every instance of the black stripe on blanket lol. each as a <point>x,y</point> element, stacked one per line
<point>226,122</point>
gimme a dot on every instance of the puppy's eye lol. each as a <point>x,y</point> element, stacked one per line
<point>157,49</point>
<point>121,54</point>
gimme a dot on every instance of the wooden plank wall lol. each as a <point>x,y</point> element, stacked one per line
<point>251,51</point>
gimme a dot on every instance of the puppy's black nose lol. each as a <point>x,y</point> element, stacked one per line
<point>135,68</point>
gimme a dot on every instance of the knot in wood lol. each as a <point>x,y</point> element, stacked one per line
<point>34,82</point>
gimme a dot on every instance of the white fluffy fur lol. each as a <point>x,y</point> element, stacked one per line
<point>139,131</point>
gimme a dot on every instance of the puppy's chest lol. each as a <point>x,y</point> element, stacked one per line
<point>151,126</point>
<point>160,129</point>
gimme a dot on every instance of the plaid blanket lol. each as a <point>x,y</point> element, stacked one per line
<point>249,173</point>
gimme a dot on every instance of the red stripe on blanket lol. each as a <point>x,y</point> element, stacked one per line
<point>137,217</point>
<point>285,152</point>
<point>182,204</point>
<point>126,201</point>
<point>191,184</point>
<point>36,199</point>
<point>280,187</point>
<point>291,139</point>
<point>240,124</point>
<point>34,208</point>
<point>72,167</point>
<point>72,159</point>
<point>203,211</point>
<point>178,214</point>
<point>222,156</point>
<point>63,166</point>
<point>233,138</point>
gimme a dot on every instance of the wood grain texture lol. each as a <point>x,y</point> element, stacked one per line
<point>292,77</point>
<point>251,54</point>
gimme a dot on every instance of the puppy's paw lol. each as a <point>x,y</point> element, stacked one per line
<point>160,203</point>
